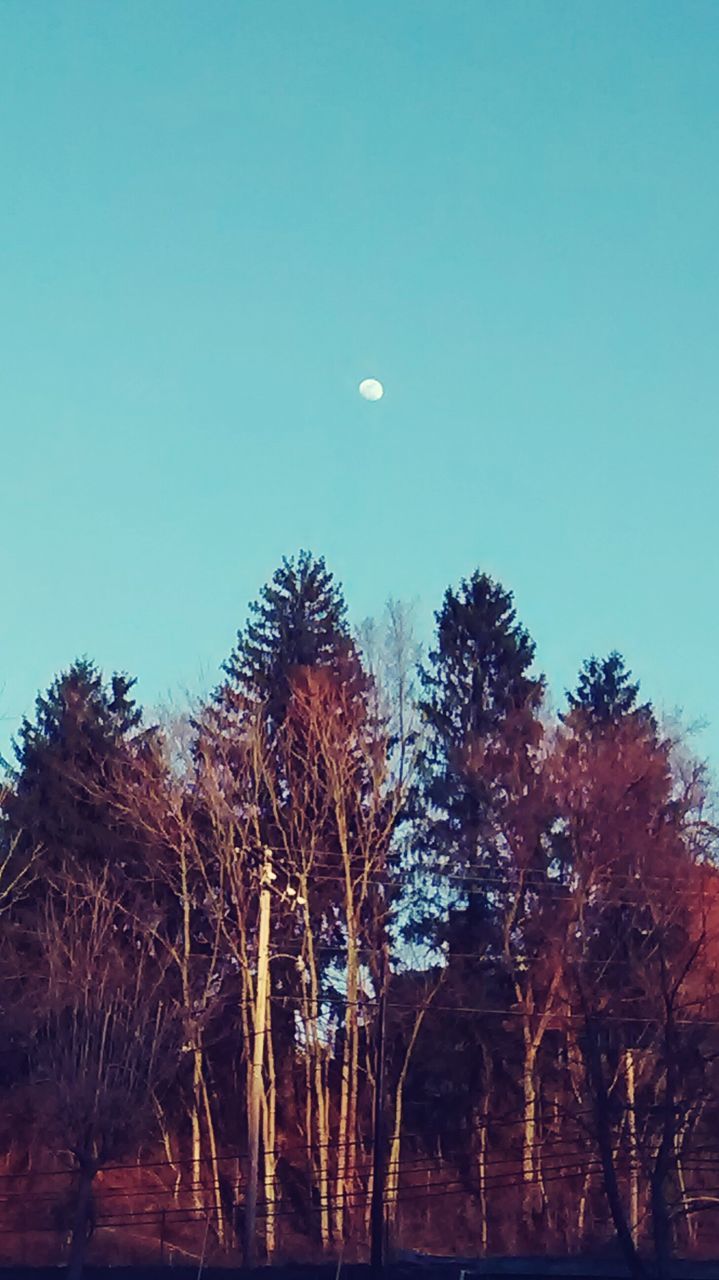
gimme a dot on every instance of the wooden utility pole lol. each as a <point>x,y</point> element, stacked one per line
<point>377,1217</point>
<point>258,1058</point>
<point>633,1145</point>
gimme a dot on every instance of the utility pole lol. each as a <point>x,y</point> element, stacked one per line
<point>258,1058</point>
<point>633,1145</point>
<point>377,1215</point>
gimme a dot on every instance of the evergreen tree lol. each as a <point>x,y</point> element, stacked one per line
<point>477,689</point>
<point>606,694</point>
<point>299,621</point>
<point>296,638</point>
<point>65,758</point>
<point>482,820</point>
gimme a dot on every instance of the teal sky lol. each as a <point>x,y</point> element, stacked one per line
<point>217,217</point>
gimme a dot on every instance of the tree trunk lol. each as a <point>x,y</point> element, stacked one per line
<point>482,1160</point>
<point>369,1069</point>
<point>530,1187</point>
<point>595,1072</point>
<point>322,1152</point>
<point>392,1185</point>
<point>343,1132</point>
<point>259,1029</point>
<point>308,1064</point>
<point>315,1081</point>
<point>630,1077</point>
<point>395,1148</point>
<point>581,1217</point>
<point>196,1170</point>
<point>269,1139</point>
<point>82,1221</point>
<point>323,1091</point>
<point>661,1217</point>
<point>167,1146</point>
<point>661,1220</point>
<point>352,1144</point>
<point>689,1217</point>
<point>214,1163</point>
<point>345,1136</point>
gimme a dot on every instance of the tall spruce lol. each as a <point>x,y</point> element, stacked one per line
<point>294,658</point>
<point>299,620</point>
<point>476,688</point>
<point>480,709</point>
<point>65,758</point>
<point>606,694</point>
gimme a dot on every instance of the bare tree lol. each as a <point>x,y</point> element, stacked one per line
<point>18,865</point>
<point>641,962</point>
<point>346,752</point>
<point>105,1041</point>
<point>392,653</point>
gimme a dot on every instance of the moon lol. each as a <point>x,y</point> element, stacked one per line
<point>371,389</point>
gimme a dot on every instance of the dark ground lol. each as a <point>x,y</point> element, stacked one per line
<point>417,1269</point>
<point>420,1268</point>
<point>310,1272</point>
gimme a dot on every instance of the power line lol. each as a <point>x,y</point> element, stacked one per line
<point>507,1119</point>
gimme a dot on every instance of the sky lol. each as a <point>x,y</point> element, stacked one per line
<point>217,218</point>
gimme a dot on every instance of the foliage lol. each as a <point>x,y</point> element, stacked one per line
<point>532,896</point>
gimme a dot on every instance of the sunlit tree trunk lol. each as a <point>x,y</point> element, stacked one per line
<point>689,1217</point>
<point>269,1138</point>
<point>167,1147</point>
<point>345,1135</point>
<point>533,1037</point>
<point>214,1162</point>
<point>395,1148</point>
<point>316,1109</point>
<point>196,1170</point>
<point>630,1082</point>
<point>582,1213</point>
<point>531,1190</point>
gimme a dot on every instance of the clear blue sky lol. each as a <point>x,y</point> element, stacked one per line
<point>216,218</point>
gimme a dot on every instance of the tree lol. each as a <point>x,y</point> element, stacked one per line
<point>638,847</point>
<point>104,1038</point>
<point>198,955</point>
<point>485,812</point>
<point>347,754</point>
<point>18,857</point>
<point>298,627</point>
<point>298,621</point>
<point>81,730</point>
<point>606,694</point>
<point>391,655</point>
<point>320,795</point>
<point>477,682</point>
<point>154,799</point>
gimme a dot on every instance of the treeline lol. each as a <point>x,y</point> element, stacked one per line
<point>207,923</point>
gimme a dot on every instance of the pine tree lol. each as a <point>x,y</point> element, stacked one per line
<point>477,688</point>
<point>295,684</point>
<point>299,621</point>
<point>484,825</point>
<point>606,694</point>
<point>65,758</point>
<point>480,709</point>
